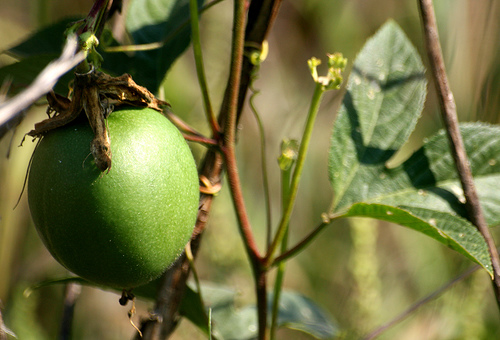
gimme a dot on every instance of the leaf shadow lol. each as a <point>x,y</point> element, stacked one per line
<point>368,154</point>
<point>417,167</point>
<point>419,171</point>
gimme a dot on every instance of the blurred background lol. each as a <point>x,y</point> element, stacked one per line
<point>362,272</point>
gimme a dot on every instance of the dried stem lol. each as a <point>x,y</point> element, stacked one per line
<point>449,114</point>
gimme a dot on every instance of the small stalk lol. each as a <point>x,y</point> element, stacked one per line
<point>200,69</point>
<point>286,160</point>
<point>256,58</point>
<point>333,80</point>
<point>304,145</point>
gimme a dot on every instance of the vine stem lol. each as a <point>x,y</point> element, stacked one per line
<point>449,116</point>
<point>200,70</point>
<point>71,294</point>
<point>230,111</point>
<point>229,141</point>
<point>263,148</point>
<point>319,90</point>
<point>293,251</point>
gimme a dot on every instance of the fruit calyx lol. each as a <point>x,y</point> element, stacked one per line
<point>96,93</point>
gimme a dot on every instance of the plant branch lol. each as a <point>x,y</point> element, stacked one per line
<point>201,140</point>
<point>327,219</point>
<point>419,304</point>
<point>299,246</point>
<point>182,125</point>
<point>286,174</point>
<point>229,110</point>
<point>449,115</point>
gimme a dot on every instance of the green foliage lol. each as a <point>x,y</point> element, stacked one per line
<point>162,21</point>
<point>33,55</point>
<point>47,40</point>
<point>449,229</point>
<point>295,312</point>
<point>384,98</point>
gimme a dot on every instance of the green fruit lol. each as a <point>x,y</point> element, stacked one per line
<point>123,228</point>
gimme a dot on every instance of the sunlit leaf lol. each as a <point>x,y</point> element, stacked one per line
<point>453,231</point>
<point>384,98</point>
<point>428,179</point>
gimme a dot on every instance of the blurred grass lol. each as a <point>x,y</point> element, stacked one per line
<point>409,264</point>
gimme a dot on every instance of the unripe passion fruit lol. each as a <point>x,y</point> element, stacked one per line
<point>122,228</point>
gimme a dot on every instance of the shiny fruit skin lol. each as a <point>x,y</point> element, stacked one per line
<point>123,228</point>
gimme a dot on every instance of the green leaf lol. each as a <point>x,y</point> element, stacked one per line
<point>385,95</point>
<point>295,312</point>
<point>193,309</point>
<point>151,21</point>
<point>453,231</point>
<point>429,177</point>
<point>22,73</point>
<point>48,40</point>
<point>34,53</point>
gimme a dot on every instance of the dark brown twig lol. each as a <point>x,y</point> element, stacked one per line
<point>449,114</point>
